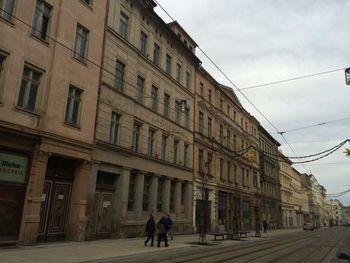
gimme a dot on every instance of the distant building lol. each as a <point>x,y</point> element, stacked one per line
<point>270,179</point>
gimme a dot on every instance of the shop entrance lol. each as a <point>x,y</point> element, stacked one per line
<point>13,170</point>
<point>103,209</point>
<point>55,199</point>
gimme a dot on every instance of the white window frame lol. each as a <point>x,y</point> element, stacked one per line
<point>7,9</point>
<point>71,99</point>
<point>40,16</point>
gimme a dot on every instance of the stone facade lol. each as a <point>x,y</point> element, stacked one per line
<point>48,90</point>
<point>270,181</point>
<point>143,157</point>
<point>227,182</point>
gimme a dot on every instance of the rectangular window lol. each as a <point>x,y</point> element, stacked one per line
<point>182,198</point>
<point>151,136</point>
<point>200,161</point>
<point>242,145</point>
<point>131,192</point>
<point>187,116</point>
<point>209,164</point>
<point>248,179</point>
<point>166,105</point>
<point>178,72</point>
<point>41,19</point>
<point>164,143</point>
<point>201,89</point>
<point>73,106</point>
<point>228,110</point>
<point>2,74</point>
<point>188,80</point>
<point>29,89</point>
<point>234,142</point>
<point>168,64</point>
<point>185,154</point>
<point>221,104</point>
<point>242,123</point>
<point>119,76</point>
<point>156,52</point>
<point>243,176</point>
<point>114,131</point>
<point>81,42</point>
<point>160,195</point>
<point>201,125</point>
<point>255,179</point>
<point>235,173</point>
<point>139,90</point>
<point>228,137</point>
<point>123,25</point>
<point>209,127</point>
<point>246,126</point>
<point>221,169</point>
<point>154,98</point>
<point>88,2</point>
<point>172,198</point>
<point>209,95</point>
<point>177,111</point>
<point>222,208</point>
<point>6,9</point>
<point>145,199</point>
<point>221,134</point>
<point>176,146</point>
<point>229,172</point>
<point>136,137</point>
<point>143,43</point>
<point>234,116</point>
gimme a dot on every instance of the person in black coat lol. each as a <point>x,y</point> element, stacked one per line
<point>162,231</point>
<point>150,229</point>
<point>265,226</point>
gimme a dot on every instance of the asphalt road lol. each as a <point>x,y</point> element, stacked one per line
<point>318,246</point>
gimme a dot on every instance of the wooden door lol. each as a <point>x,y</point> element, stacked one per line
<point>54,210</point>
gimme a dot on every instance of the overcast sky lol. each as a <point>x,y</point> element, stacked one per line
<point>256,42</point>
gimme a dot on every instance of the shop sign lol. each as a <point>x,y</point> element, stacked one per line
<point>13,168</point>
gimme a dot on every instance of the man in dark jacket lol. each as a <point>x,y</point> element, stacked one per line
<point>150,229</point>
<point>162,230</point>
<point>170,226</point>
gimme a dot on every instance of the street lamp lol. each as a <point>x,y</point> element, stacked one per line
<point>347,76</point>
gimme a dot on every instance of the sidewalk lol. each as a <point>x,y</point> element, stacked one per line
<point>108,248</point>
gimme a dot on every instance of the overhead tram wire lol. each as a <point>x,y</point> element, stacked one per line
<point>314,125</point>
<point>292,79</point>
<point>131,85</point>
<point>250,102</point>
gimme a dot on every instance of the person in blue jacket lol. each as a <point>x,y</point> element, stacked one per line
<point>170,226</point>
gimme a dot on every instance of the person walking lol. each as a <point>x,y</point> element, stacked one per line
<point>162,230</point>
<point>265,226</point>
<point>170,226</point>
<point>150,229</point>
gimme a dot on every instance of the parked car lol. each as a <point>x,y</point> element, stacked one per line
<point>308,226</point>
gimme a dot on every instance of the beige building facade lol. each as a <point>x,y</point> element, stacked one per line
<point>48,90</point>
<point>227,182</point>
<point>143,157</point>
<point>270,180</point>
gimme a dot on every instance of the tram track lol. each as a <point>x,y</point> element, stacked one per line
<point>254,248</point>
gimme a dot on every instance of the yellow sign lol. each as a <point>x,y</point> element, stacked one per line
<point>251,156</point>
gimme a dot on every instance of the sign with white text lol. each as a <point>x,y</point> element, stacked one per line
<point>13,168</point>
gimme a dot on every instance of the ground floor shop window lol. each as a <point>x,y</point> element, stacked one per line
<point>222,208</point>
<point>246,212</point>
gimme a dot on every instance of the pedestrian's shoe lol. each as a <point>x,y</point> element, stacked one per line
<point>166,245</point>
<point>151,245</point>
<point>145,244</point>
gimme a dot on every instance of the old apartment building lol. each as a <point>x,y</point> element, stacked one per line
<point>48,90</point>
<point>270,180</point>
<point>143,158</point>
<point>227,182</point>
